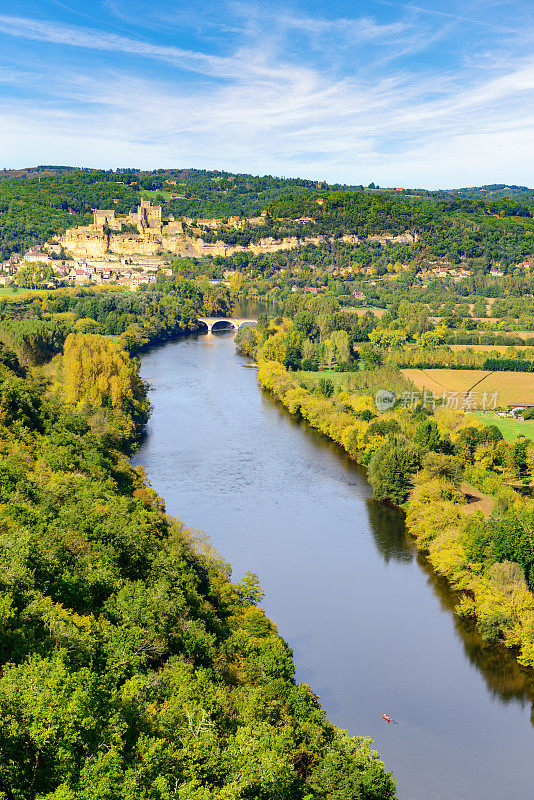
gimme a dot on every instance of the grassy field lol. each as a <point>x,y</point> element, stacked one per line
<point>9,291</point>
<point>512,387</point>
<point>510,428</point>
<point>363,382</point>
<point>378,312</point>
<point>150,194</point>
<point>311,379</point>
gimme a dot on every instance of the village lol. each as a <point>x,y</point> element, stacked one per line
<point>128,272</point>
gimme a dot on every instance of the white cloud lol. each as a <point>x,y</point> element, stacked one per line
<point>42,31</point>
<point>259,110</point>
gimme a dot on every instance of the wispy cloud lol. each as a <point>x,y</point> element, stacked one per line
<point>42,31</point>
<point>266,105</point>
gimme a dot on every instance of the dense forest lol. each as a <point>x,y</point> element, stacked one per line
<point>475,233</point>
<point>457,226</point>
<point>36,204</point>
<point>36,325</point>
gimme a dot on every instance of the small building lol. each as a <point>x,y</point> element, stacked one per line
<point>104,217</point>
<point>35,255</point>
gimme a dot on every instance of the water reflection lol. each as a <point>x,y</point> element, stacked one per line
<point>389,532</point>
<point>372,627</point>
<point>505,678</point>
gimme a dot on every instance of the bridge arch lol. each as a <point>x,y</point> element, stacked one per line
<point>220,323</point>
<point>224,324</point>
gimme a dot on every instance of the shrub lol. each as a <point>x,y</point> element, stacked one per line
<point>325,387</point>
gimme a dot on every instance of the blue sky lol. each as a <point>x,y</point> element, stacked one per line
<point>429,93</point>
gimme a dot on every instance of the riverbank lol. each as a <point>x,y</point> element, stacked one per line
<point>438,515</point>
<point>131,665</point>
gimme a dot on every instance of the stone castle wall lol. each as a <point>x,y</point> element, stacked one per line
<point>94,243</point>
<point>155,237</point>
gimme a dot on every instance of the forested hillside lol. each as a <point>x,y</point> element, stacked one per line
<point>454,226</point>
<point>36,204</point>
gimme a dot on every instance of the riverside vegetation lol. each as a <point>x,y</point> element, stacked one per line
<point>131,665</point>
<point>462,485</point>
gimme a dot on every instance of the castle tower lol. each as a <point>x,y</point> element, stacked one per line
<point>148,216</point>
<point>104,217</point>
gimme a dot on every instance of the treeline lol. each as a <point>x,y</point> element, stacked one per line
<point>454,230</point>
<point>445,358</point>
<point>508,365</point>
<point>36,206</point>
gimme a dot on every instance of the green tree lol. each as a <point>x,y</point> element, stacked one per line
<point>325,387</point>
<point>426,435</point>
<point>391,469</point>
<point>34,275</point>
<point>364,779</point>
<point>340,343</point>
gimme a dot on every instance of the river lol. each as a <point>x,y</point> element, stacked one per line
<point>371,627</point>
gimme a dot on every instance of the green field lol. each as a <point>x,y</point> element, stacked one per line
<point>510,428</point>
<point>312,378</point>
<point>150,194</point>
<point>9,291</point>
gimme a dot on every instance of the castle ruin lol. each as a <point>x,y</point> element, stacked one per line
<point>140,232</point>
<point>145,232</point>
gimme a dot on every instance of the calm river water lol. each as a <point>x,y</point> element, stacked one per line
<point>371,628</point>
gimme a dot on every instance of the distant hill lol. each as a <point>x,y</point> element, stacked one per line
<point>39,202</point>
<point>495,191</point>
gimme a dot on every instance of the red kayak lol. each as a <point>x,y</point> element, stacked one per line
<point>387,718</point>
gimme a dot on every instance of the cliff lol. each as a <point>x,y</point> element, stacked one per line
<point>145,233</point>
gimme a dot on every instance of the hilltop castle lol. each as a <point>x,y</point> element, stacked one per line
<point>140,232</point>
<point>145,232</point>
<point>146,217</point>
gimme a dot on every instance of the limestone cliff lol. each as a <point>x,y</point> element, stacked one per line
<point>145,233</point>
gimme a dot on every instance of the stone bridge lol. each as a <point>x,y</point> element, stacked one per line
<point>212,322</point>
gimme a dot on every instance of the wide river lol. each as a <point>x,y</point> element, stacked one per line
<point>371,627</point>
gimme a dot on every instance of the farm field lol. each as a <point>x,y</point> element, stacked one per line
<point>500,348</point>
<point>512,387</point>
<point>378,312</point>
<point>510,428</point>
<point>10,291</point>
